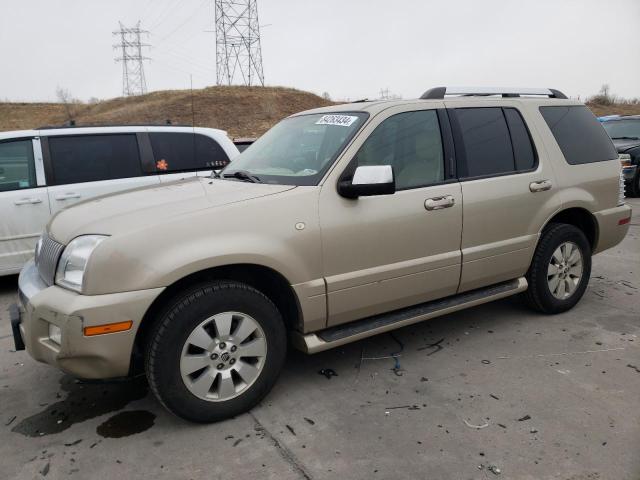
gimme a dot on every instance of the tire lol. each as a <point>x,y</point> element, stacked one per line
<point>544,294</point>
<point>632,188</point>
<point>180,361</point>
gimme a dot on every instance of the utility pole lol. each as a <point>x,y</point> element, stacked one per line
<point>384,94</point>
<point>238,50</point>
<point>130,48</point>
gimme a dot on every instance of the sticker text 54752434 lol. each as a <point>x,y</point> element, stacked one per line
<point>339,120</point>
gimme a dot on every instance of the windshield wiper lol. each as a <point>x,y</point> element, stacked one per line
<point>242,175</point>
<point>625,138</point>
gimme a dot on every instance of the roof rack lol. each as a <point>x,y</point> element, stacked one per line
<point>440,92</point>
<point>94,125</point>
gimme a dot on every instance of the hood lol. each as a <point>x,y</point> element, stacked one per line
<point>142,207</point>
<point>623,146</point>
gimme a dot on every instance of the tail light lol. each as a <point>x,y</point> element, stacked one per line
<point>625,161</point>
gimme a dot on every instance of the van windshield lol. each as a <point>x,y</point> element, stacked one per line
<point>298,150</point>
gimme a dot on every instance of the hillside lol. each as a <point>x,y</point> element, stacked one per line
<point>615,109</point>
<point>241,111</point>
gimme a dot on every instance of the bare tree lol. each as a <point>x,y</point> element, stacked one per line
<point>70,103</point>
<point>603,97</point>
<point>326,96</point>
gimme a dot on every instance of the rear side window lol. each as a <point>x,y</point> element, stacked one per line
<point>492,141</point>
<point>579,134</point>
<point>179,152</point>
<point>90,158</point>
<point>525,156</point>
<point>485,140</point>
<point>17,169</point>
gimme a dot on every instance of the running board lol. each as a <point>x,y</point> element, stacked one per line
<point>350,332</point>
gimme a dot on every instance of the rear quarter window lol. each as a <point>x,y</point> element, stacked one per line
<point>579,134</point>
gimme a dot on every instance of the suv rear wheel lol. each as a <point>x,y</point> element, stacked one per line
<point>216,351</point>
<point>560,270</point>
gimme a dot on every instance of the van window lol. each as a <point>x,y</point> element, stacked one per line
<point>17,168</point>
<point>209,153</point>
<point>579,134</point>
<point>90,158</point>
<point>486,143</point>
<point>182,151</point>
<point>411,143</point>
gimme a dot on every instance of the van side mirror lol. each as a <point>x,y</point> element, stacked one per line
<point>369,180</point>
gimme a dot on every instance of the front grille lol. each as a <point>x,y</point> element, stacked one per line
<point>47,258</point>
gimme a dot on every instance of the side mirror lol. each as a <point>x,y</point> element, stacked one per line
<point>369,180</point>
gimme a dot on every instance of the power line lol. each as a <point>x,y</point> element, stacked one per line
<point>192,65</point>
<point>186,20</point>
<point>164,14</point>
<point>186,56</point>
<point>238,50</point>
<point>147,9</point>
<point>130,49</point>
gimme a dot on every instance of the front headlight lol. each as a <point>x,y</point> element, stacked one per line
<point>73,261</point>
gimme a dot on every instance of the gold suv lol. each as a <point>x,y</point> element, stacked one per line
<point>338,224</point>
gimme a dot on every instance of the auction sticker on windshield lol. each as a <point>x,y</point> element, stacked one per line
<point>340,120</point>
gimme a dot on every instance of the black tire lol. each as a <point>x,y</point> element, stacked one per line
<point>183,315</point>
<point>632,188</point>
<point>539,295</point>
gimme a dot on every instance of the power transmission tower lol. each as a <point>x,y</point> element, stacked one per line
<point>238,51</point>
<point>130,50</point>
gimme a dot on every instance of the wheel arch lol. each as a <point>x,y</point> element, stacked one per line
<point>580,218</point>
<point>264,279</point>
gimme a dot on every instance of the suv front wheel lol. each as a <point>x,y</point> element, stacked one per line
<point>216,351</point>
<point>560,269</point>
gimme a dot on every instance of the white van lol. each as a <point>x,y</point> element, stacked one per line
<point>43,171</point>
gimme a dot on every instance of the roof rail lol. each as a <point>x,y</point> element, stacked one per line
<point>97,125</point>
<point>438,93</point>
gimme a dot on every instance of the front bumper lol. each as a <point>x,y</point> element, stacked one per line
<point>100,356</point>
<point>629,172</point>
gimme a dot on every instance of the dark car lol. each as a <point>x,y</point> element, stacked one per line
<point>625,133</point>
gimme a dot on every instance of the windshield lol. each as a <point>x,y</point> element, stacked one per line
<point>620,129</point>
<point>298,150</point>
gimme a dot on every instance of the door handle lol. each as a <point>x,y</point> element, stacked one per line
<point>26,201</point>
<point>67,196</point>
<point>540,186</point>
<point>438,203</point>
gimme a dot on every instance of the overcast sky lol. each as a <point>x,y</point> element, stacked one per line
<point>348,48</point>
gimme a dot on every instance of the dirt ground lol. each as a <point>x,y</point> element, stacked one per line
<point>494,390</point>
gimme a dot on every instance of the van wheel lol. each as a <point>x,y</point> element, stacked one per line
<point>560,270</point>
<point>216,351</point>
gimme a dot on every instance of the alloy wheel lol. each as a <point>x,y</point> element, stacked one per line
<point>565,270</point>
<point>223,356</point>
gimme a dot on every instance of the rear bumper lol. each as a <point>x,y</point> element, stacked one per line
<point>100,356</point>
<point>612,227</point>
